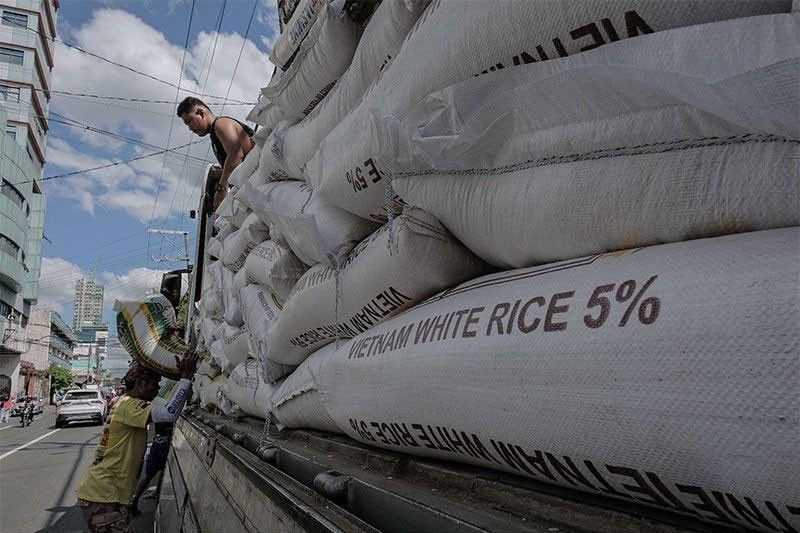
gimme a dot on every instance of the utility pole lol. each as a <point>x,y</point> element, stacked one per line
<point>167,234</point>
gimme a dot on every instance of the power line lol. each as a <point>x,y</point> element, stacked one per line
<point>107,259</point>
<point>71,122</point>
<point>76,123</point>
<point>113,164</point>
<point>105,245</point>
<point>126,67</point>
<point>205,84</point>
<point>227,93</point>
<point>72,141</point>
<point>172,121</point>
<point>239,57</point>
<point>131,99</point>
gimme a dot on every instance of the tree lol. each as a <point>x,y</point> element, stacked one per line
<point>60,377</point>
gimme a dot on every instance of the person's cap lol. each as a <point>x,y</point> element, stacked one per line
<point>138,372</point>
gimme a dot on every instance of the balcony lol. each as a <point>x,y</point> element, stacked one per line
<point>13,337</point>
<point>60,361</point>
<point>58,344</point>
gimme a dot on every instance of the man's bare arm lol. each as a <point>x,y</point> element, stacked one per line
<point>237,143</point>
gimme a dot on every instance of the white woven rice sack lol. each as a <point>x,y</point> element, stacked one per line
<point>199,386</point>
<point>215,248</point>
<point>245,388</point>
<point>207,367</point>
<point>536,215</point>
<point>222,228</point>
<point>208,330</point>
<point>231,349</point>
<point>209,391</point>
<point>226,405</point>
<point>260,137</point>
<point>246,168</point>
<point>297,27</point>
<point>612,97</point>
<point>275,267</point>
<point>264,114</point>
<point>456,40</point>
<point>147,329</point>
<point>230,298</point>
<point>270,165</point>
<point>214,274</point>
<point>315,230</point>
<point>321,59</point>
<point>382,37</point>
<point>238,244</point>
<point>212,302</point>
<point>296,402</point>
<point>231,211</point>
<point>587,170</point>
<point>260,309</point>
<point>238,213</point>
<point>663,374</point>
<point>394,268</point>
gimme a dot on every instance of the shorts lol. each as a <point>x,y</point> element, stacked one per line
<point>157,458</point>
<point>106,517</point>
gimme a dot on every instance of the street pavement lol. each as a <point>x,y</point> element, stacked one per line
<point>40,470</point>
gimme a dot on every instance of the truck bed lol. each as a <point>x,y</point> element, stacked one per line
<point>236,475</point>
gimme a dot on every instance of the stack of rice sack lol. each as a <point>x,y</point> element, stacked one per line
<point>636,164</point>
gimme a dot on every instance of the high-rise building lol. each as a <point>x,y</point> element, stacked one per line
<point>27,29</point>
<point>88,304</point>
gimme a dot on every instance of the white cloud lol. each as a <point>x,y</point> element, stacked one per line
<point>58,277</point>
<point>125,38</point>
<point>57,283</point>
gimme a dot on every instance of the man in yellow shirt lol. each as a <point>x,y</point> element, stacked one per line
<point>107,488</point>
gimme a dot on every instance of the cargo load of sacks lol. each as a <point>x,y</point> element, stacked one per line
<point>147,329</point>
<point>626,145</point>
<point>293,145</point>
<point>261,309</point>
<point>455,41</point>
<point>400,264</point>
<point>668,375</point>
<point>310,65</point>
<point>248,392</point>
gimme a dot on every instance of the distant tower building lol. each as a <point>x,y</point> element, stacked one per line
<point>88,304</point>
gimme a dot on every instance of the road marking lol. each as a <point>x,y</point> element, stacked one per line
<point>8,427</point>
<point>34,441</point>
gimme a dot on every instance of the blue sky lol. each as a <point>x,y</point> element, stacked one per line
<point>97,222</point>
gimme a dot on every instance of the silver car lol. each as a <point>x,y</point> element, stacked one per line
<point>80,405</point>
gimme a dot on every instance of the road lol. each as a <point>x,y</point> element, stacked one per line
<point>39,480</point>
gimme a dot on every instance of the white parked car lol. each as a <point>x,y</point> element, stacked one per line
<point>81,405</point>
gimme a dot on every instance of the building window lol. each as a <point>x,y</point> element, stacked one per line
<point>8,246</point>
<point>17,20</point>
<point>31,151</point>
<point>9,93</point>
<point>12,55</point>
<point>12,193</point>
<point>11,131</point>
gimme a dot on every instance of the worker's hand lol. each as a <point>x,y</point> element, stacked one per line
<point>188,365</point>
<point>218,197</point>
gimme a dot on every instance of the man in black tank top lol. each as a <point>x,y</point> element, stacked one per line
<point>230,139</point>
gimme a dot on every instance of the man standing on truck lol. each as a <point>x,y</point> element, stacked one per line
<point>107,488</point>
<point>230,139</point>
